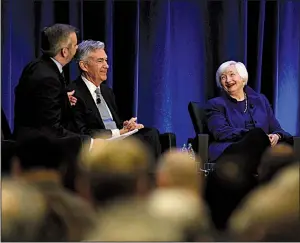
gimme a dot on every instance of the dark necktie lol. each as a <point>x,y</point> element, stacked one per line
<point>62,74</point>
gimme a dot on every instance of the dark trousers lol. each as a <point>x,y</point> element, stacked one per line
<point>150,137</point>
<point>234,175</point>
<point>247,152</point>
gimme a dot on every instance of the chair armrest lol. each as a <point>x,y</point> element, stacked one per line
<point>202,145</point>
<point>167,141</point>
<point>297,147</point>
<point>7,152</point>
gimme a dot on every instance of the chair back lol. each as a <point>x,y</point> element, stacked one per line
<point>297,147</point>
<point>5,129</point>
<point>197,115</point>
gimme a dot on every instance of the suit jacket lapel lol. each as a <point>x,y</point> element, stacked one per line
<point>88,98</point>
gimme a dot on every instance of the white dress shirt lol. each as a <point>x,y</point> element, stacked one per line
<point>92,88</point>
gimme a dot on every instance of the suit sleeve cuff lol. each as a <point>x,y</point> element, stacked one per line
<point>115,133</point>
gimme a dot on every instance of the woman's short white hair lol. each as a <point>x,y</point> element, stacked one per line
<point>240,67</point>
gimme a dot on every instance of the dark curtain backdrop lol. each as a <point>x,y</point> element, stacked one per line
<point>163,54</point>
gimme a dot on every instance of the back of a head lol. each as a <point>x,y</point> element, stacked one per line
<point>274,159</point>
<point>182,209</point>
<point>53,37</point>
<point>23,211</point>
<point>115,168</point>
<point>68,217</point>
<point>178,170</point>
<point>39,152</point>
<point>231,173</point>
<point>270,208</point>
<point>131,221</point>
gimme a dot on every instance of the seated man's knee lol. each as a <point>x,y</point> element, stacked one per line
<point>150,131</point>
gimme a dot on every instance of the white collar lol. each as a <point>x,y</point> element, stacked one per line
<point>92,87</point>
<point>60,67</point>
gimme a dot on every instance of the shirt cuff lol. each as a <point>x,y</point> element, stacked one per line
<point>115,133</point>
<point>91,144</point>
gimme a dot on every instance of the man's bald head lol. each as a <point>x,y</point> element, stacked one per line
<point>177,169</point>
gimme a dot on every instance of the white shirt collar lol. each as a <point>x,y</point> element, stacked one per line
<point>60,67</point>
<point>92,87</point>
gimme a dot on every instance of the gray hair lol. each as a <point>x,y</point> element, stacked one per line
<point>86,47</point>
<point>54,37</point>
<point>240,67</point>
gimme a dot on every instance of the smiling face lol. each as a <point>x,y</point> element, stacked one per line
<point>231,81</point>
<point>96,66</point>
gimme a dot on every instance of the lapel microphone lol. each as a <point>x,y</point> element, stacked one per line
<point>98,95</point>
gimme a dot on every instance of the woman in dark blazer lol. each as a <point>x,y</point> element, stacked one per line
<point>242,125</point>
<point>240,116</point>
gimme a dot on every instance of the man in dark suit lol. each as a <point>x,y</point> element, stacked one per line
<point>41,101</point>
<point>96,111</point>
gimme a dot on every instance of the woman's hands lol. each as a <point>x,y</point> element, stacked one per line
<point>274,138</point>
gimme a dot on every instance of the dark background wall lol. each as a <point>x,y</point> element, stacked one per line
<point>163,54</point>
